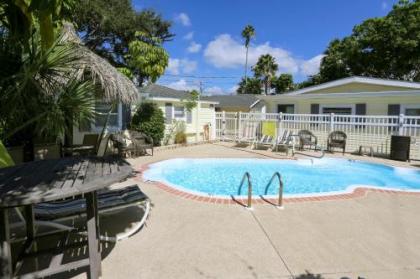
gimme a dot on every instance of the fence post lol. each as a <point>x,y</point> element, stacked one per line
<point>223,125</point>
<point>213,126</point>
<point>236,125</point>
<point>279,132</point>
<point>332,119</point>
<point>401,124</point>
<point>239,135</point>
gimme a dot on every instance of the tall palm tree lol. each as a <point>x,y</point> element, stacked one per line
<point>265,69</point>
<point>248,33</point>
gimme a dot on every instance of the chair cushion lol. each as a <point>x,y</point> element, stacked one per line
<point>106,199</point>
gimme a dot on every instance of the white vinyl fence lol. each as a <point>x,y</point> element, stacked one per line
<point>372,131</point>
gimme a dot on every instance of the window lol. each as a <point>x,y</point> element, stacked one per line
<point>339,110</point>
<point>179,112</point>
<point>102,110</point>
<point>412,111</point>
<point>286,108</point>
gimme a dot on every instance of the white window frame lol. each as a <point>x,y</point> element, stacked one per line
<point>404,107</point>
<point>179,118</point>
<point>351,106</point>
<point>275,107</point>
<point>109,127</point>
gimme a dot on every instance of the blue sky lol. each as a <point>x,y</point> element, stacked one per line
<point>208,42</point>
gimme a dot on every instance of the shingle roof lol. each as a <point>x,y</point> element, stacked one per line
<point>240,100</point>
<point>159,91</point>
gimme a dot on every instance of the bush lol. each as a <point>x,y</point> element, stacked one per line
<point>149,119</point>
<point>180,138</point>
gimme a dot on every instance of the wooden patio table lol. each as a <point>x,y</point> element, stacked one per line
<point>49,180</point>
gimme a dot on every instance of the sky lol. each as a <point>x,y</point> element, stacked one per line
<point>208,50</point>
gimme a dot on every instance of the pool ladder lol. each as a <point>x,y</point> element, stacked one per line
<point>247,177</point>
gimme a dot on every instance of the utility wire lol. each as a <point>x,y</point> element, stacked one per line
<point>203,77</point>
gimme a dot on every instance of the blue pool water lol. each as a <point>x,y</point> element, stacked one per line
<point>320,176</point>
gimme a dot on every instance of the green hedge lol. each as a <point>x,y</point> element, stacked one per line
<point>149,119</point>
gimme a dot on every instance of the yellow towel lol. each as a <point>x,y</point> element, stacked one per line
<point>269,128</point>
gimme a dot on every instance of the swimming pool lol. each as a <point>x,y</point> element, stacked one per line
<point>303,177</point>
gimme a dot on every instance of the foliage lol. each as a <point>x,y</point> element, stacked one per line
<point>108,28</point>
<point>249,86</point>
<point>283,83</point>
<point>191,102</point>
<point>265,69</point>
<point>180,138</point>
<point>248,33</point>
<point>23,18</point>
<point>5,158</point>
<point>39,94</point>
<point>149,119</point>
<point>386,47</point>
<point>180,135</point>
<point>147,58</point>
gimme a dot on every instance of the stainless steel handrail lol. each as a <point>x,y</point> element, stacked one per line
<point>248,177</point>
<point>281,186</point>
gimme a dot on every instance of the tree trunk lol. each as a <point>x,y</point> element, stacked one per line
<point>246,69</point>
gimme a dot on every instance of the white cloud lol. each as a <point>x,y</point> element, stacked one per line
<point>182,85</point>
<point>194,47</point>
<point>226,52</point>
<point>181,66</point>
<point>183,18</point>
<point>189,36</point>
<point>311,67</point>
<point>233,89</point>
<point>214,90</point>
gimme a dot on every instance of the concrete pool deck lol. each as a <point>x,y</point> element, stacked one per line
<point>376,235</point>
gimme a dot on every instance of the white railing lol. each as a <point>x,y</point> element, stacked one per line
<point>374,131</point>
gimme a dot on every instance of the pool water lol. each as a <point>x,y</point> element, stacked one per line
<point>222,177</point>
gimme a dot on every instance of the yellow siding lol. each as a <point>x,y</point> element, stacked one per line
<point>359,87</point>
<point>194,130</point>
<point>374,105</point>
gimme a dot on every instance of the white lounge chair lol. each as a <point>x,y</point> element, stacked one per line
<point>265,140</point>
<point>286,141</point>
<point>249,134</point>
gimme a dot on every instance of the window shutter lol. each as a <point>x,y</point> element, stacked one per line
<point>314,108</point>
<point>393,109</point>
<point>360,109</point>
<point>189,117</point>
<point>168,113</point>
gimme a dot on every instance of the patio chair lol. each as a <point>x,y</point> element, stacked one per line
<point>286,141</point>
<point>131,143</point>
<point>307,138</point>
<point>249,134</point>
<point>89,146</point>
<point>53,214</point>
<point>337,139</point>
<point>265,140</point>
<point>142,142</point>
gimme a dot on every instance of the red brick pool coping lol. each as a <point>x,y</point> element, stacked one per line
<point>357,192</point>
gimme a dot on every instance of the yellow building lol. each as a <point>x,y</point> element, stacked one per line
<point>199,122</point>
<point>353,95</point>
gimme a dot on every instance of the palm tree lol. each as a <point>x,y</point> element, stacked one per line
<point>265,69</point>
<point>248,33</point>
<point>48,84</point>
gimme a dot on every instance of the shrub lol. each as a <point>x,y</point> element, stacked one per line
<point>180,138</point>
<point>149,119</point>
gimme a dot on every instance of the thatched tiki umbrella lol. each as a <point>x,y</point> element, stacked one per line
<point>115,87</point>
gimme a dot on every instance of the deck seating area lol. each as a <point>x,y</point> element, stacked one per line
<point>347,133</point>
